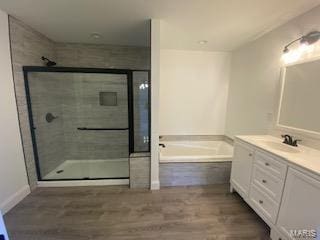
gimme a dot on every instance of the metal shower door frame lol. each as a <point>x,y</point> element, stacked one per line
<point>127,72</point>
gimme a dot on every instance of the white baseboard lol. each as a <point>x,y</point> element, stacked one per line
<point>14,199</point>
<point>155,185</point>
<point>81,183</point>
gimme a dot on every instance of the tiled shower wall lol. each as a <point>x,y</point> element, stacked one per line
<point>102,56</point>
<point>28,45</point>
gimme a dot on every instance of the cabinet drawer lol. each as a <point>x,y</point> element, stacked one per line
<point>267,183</point>
<point>264,204</point>
<point>271,164</point>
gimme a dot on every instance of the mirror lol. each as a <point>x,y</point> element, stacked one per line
<point>300,97</point>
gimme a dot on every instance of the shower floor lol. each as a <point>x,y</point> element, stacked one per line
<point>90,169</point>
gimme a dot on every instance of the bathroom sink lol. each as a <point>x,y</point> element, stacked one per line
<point>281,147</point>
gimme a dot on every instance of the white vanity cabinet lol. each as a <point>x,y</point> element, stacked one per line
<point>259,178</point>
<point>285,196</point>
<point>242,168</point>
<point>300,207</point>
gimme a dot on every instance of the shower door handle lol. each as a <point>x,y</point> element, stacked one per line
<point>101,129</point>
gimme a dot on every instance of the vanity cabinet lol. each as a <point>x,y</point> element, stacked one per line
<point>284,196</point>
<point>259,178</point>
<point>300,207</point>
<point>241,168</point>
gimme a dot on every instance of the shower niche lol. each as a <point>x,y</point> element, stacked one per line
<point>86,122</point>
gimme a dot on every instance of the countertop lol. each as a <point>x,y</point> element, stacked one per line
<point>301,156</point>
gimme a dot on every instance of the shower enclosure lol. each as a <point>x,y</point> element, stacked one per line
<point>85,122</point>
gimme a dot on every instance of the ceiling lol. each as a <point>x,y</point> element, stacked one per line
<point>225,24</point>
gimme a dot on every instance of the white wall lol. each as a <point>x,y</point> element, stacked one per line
<point>193,92</point>
<point>13,179</point>
<point>255,77</point>
<point>155,78</point>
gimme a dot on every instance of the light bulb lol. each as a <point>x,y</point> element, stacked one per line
<point>291,56</point>
<point>306,48</point>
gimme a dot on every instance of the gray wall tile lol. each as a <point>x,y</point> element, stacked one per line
<point>102,56</point>
<point>184,174</point>
<point>27,47</point>
<point>139,172</point>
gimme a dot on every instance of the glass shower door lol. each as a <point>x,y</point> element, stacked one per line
<point>80,122</point>
<point>103,126</point>
<point>141,105</point>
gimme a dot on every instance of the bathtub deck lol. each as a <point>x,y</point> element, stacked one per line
<point>119,213</point>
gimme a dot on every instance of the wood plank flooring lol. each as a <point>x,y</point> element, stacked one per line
<point>117,213</point>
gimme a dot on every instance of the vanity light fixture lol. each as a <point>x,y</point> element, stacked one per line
<point>307,39</point>
<point>306,42</point>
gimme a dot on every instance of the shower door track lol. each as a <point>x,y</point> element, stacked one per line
<point>80,183</point>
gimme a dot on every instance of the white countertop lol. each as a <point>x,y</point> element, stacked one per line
<point>302,156</point>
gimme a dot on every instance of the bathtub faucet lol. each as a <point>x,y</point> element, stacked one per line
<point>162,145</point>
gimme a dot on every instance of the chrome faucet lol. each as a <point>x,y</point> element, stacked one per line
<point>290,140</point>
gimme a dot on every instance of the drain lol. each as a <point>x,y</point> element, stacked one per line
<point>60,171</point>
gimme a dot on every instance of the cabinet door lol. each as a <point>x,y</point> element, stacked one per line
<point>300,209</point>
<point>241,168</point>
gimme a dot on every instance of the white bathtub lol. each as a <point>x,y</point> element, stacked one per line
<point>195,151</point>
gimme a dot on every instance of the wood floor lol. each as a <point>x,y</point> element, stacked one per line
<point>119,213</point>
